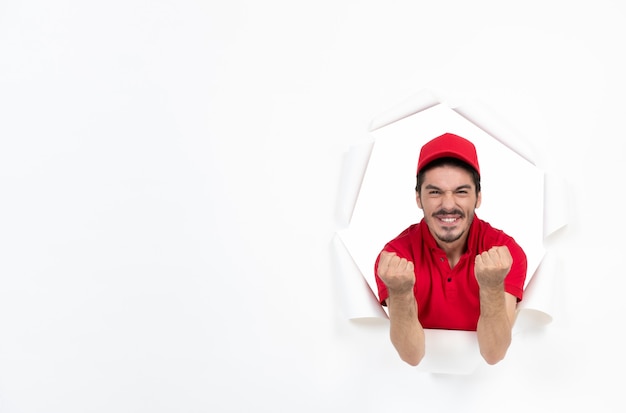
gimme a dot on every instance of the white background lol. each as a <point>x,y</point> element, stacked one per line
<point>168,183</point>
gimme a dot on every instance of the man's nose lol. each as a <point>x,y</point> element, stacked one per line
<point>448,198</point>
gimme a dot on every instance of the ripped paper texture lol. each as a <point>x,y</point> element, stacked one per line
<point>379,202</point>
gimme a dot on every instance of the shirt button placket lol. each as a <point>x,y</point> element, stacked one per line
<point>445,267</point>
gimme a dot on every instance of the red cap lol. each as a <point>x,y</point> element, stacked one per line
<point>448,145</point>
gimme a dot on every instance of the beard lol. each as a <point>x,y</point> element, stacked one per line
<point>449,235</point>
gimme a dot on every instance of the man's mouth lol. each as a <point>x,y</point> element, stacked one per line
<point>449,218</point>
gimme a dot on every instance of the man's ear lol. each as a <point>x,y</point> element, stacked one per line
<point>479,199</point>
<point>418,200</point>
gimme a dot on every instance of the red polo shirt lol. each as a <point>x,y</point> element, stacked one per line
<point>447,298</point>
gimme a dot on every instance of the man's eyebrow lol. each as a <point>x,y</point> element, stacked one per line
<point>431,186</point>
<point>466,186</point>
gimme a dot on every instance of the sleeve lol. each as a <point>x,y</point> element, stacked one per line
<point>383,294</point>
<point>514,281</point>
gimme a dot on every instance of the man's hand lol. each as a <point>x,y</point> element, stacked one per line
<point>405,330</point>
<point>397,273</point>
<point>492,266</point>
<point>497,308</point>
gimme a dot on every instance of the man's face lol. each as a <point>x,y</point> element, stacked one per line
<point>448,199</point>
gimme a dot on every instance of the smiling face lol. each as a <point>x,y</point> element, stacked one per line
<point>448,198</point>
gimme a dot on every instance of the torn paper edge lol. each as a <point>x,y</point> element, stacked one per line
<point>532,311</point>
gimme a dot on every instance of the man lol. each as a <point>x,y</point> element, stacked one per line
<point>451,270</point>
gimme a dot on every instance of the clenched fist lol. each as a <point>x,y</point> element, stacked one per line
<point>397,273</point>
<point>492,266</point>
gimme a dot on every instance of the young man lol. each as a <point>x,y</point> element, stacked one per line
<point>451,270</point>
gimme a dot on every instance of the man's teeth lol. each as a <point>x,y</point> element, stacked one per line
<point>448,220</point>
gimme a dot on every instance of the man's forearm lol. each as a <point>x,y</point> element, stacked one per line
<point>494,325</point>
<point>406,332</point>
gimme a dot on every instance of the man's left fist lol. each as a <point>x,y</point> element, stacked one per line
<point>492,266</point>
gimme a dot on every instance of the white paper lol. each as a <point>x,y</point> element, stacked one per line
<point>484,118</point>
<point>538,305</point>
<point>555,208</point>
<point>356,299</point>
<point>353,168</point>
<point>417,103</point>
<point>450,352</point>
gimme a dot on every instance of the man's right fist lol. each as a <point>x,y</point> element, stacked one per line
<point>397,273</point>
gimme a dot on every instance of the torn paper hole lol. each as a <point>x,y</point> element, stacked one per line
<point>386,171</point>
